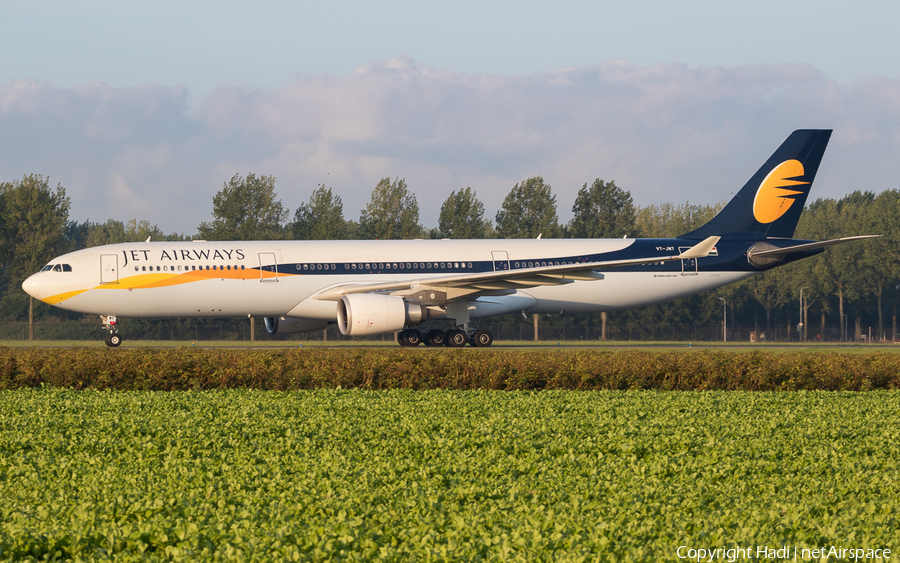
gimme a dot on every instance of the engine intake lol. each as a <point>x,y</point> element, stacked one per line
<point>293,325</point>
<point>363,314</point>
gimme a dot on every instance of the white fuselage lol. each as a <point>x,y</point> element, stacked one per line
<point>282,278</point>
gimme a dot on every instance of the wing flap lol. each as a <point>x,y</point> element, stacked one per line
<point>514,279</point>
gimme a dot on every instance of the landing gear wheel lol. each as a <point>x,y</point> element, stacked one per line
<point>482,339</point>
<point>434,338</point>
<point>456,338</point>
<point>113,340</point>
<point>409,338</point>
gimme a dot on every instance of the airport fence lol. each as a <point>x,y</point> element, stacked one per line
<point>239,330</point>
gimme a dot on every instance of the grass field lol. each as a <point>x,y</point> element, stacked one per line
<point>442,475</point>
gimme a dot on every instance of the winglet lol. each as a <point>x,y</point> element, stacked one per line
<point>699,250</point>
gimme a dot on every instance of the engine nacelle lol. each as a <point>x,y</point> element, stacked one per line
<point>361,314</point>
<point>293,325</point>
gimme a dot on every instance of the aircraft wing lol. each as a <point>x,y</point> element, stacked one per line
<point>450,288</point>
<point>778,252</point>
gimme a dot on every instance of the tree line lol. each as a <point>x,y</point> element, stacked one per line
<point>846,289</point>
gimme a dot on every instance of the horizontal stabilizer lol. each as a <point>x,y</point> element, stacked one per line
<point>776,252</point>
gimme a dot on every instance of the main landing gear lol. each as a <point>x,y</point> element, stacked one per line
<point>111,325</point>
<point>455,338</point>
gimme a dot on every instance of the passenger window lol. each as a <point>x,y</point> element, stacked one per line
<point>136,268</point>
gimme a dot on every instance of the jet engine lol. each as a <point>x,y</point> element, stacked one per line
<point>292,325</point>
<point>362,314</point>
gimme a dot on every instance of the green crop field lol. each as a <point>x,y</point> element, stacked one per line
<point>402,475</point>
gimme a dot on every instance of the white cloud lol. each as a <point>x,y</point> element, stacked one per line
<point>665,132</point>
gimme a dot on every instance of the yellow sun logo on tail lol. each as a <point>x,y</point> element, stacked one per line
<point>773,199</point>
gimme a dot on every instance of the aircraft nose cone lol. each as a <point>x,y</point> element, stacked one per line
<point>32,286</point>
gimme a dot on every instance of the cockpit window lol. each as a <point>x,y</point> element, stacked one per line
<point>57,268</point>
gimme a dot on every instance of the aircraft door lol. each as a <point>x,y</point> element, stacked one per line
<point>109,268</point>
<point>501,260</point>
<point>689,266</point>
<point>268,267</point>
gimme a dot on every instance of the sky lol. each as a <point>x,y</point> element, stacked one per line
<point>144,111</point>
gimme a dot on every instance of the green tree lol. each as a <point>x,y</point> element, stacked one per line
<point>114,232</point>
<point>320,219</point>
<point>529,210</point>
<point>462,216</point>
<point>880,258</point>
<point>840,267</point>
<point>246,209</point>
<point>392,213</point>
<point>35,223</point>
<point>602,210</point>
<point>90,234</point>
<point>668,220</point>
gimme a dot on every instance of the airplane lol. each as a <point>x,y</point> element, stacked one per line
<point>398,286</point>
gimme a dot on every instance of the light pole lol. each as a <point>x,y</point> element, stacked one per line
<point>802,324</point>
<point>724,321</point>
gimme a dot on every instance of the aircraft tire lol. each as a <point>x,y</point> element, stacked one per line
<point>455,338</point>
<point>113,340</point>
<point>410,338</point>
<point>482,339</point>
<point>434,338</point>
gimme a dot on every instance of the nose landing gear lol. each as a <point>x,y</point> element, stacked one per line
<point>111,325</point>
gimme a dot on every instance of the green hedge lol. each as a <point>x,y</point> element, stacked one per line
<point>180,369</point>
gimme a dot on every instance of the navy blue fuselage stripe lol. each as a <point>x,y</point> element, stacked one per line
<point>731,257</point>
